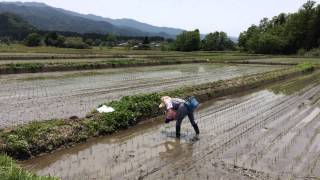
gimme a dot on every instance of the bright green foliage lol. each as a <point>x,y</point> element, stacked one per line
<point>9,170</point>
<point>32,40</point>
<point>188,41</point>
<point>306,67</point>
<point>17,144</point>
<point>285,33</point>
<point>130,110</point>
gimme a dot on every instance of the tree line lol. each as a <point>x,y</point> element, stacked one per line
<point>81,41</point>
<point>186,41</point>
<point>191,41</point>
<point>285,33</point>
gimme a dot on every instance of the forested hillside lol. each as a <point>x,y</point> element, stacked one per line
<point>285,33</point>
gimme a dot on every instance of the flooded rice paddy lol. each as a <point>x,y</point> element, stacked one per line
<point>260,135</point>
<point>43,96</point>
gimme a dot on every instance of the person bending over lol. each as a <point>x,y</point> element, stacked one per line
<point>177,109</point>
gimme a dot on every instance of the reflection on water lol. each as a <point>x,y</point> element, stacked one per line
<point>175,149</point>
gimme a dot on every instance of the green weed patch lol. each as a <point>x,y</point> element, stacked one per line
<point>9,170</point>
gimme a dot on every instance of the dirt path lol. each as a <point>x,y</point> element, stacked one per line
<point>257,136</point>
<point>43,96</point>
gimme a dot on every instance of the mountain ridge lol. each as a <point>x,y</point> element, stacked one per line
<point>39,14</point>
<point>12,25</point>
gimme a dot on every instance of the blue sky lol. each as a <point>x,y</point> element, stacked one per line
<point>231,16</point>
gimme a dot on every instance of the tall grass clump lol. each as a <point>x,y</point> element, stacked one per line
<point>9,170</point>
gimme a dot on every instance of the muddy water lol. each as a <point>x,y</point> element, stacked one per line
<point>261,135</point>
<point>41,96</point>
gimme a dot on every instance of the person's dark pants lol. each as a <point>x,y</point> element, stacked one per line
<point>182,112</point>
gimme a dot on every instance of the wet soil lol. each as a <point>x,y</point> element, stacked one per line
<point>42,96</point>
<point>261,135</point>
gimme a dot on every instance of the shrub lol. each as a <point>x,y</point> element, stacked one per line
<point>75,42</point>
<point>17,146</point>
<point>32,40</point>
<point>53,39</point>
<point>170,46</point>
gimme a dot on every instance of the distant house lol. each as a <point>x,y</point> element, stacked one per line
<point>123,44</point>
<point>154,44</point>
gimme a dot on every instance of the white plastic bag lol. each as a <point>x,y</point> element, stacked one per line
<point>105,109</point>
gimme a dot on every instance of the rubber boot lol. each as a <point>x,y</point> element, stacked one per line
<point>178,131</point>
<point>196,129</point>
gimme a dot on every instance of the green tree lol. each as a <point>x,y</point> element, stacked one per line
<point>53,39</point>
<point>111,40</point>
<point>316,27</point>
<point>285,33</point>
<point>146,40</point>
<point>217,41</point>
<point>32,40</point>
<point>188,41</point>
<point>211,41</point>
<point>111,37</point>
<point>269,44</point>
